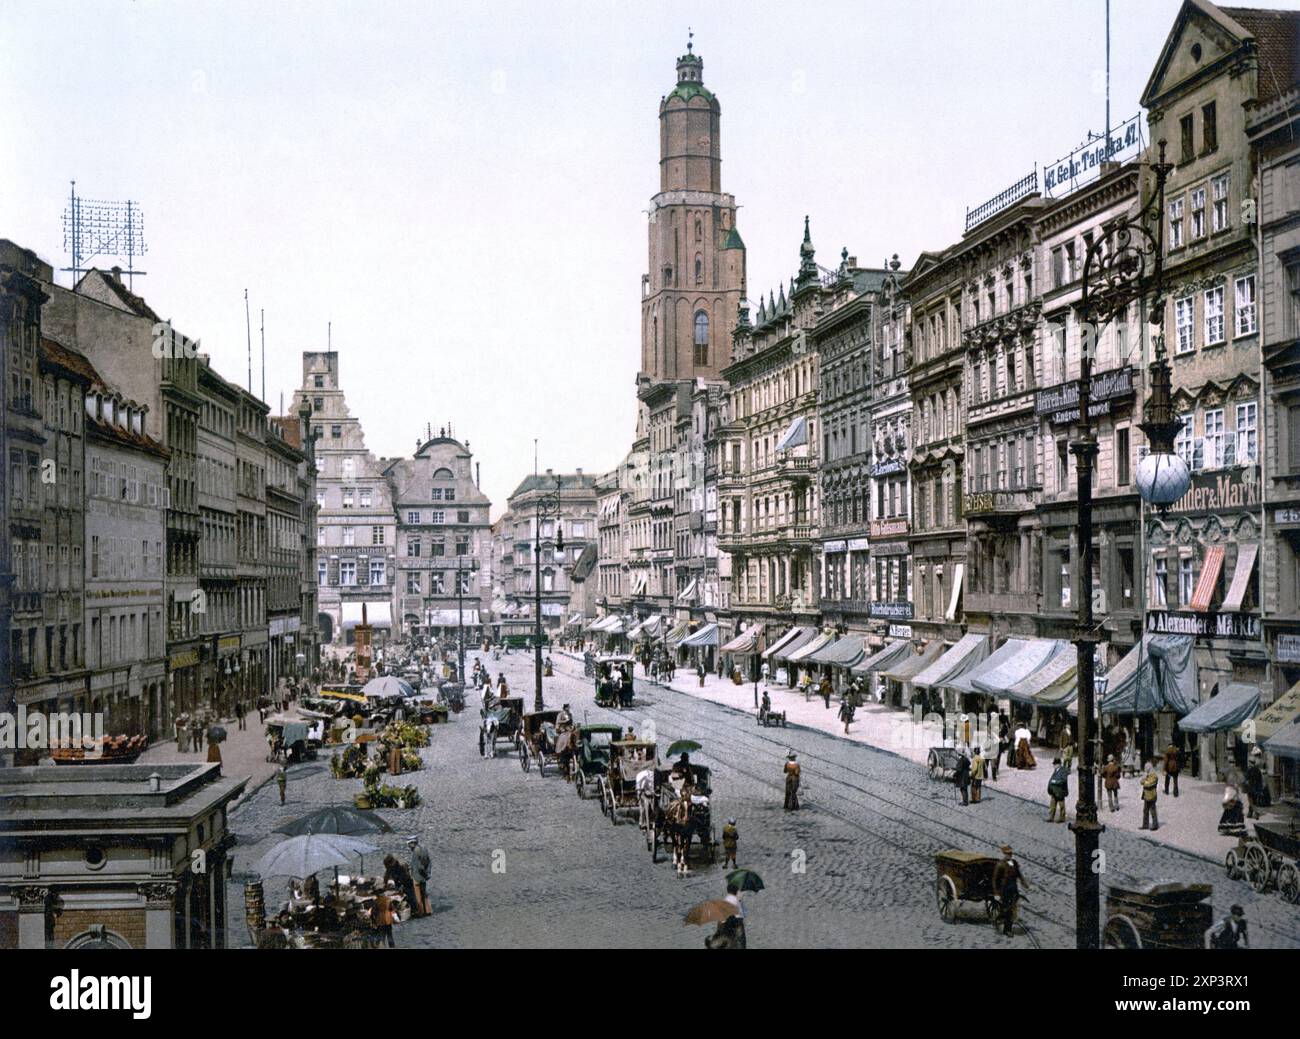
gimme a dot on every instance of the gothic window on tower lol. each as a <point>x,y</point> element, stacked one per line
<point>701,337</point>
<point>699,268</point>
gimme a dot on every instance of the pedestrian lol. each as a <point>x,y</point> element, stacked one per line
<point>196,734</point>
<point>978,767</point>
<point>1004,743</point>
<point>1024,756</point>
<point>791,783</point>
<point>384,917</point>
<point>182,735</point>
<point>763,671</point>
<point>699,671</point>
<point>730,933</point>
<point>846,713</point>
<point>1230,932</point>
<point>421,869</point>
<point>1110,775</point>
<point>1171,767</point>
<point>1150,788</point>
<point>282,780</point>
<point>730,838</point>
<point>961,777</point>
<point>398,876</point>
<point>1067,746</point>
<point>1256,785</point>
<point>1007,879</point>
<point>1058,789</point>
<point>826,690</point>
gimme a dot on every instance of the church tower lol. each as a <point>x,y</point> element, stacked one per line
<point>696,279</point>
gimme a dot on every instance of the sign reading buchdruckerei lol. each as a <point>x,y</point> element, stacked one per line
<point>892,610</point>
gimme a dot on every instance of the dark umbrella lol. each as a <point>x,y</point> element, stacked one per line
<point>684,747</point>
<point>341,819</point>
<point>216,734</point>
<point>745,880</point>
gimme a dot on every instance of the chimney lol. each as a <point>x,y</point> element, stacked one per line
<point>579,471</point>
<point>549,472</point>
<point>478,471</point>
<point>117,274</point>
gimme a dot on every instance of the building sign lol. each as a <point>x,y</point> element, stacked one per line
<point>228,642</point>
<point>892,610</point>
<point>1084,163</point>
<point>891,548</point>
<point>1204,625</point>
<point>900,631</point>
<point>888,467</point>
<point>1062,402</point>
<point>1288,649</point>
<point>1286,517</point>
<point>1220,491</point>
<point>183,658</point>
<point>832,546</point>
<point>996,501</point>
<point>859,544</point>
<point>888,528</point>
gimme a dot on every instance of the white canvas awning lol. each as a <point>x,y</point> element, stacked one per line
<point>1246,554</point>
<point>790,641</point>
<point>809,648</point>
<point>958,572</point>
<point>969,650</point>
<point>795,435</point>
<point>688,593</point>
<point>453,618</point>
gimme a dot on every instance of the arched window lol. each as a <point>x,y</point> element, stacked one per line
<point>701,337</point>
<point>699,268</point>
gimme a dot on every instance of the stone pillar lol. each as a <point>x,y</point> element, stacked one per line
<point>33,906</point>
<point>159,907</point>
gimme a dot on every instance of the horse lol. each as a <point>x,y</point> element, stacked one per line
<point>678,827</point>
<point>487,736</point>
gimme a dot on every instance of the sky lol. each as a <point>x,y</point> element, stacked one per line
<point>454,194</point>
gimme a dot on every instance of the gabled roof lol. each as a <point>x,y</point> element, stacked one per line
<point>54,352</point>
<point>1277,37</point>
<point>135,304</point>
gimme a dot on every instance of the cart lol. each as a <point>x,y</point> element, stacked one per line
<point>606,667</point>
<point>1158,916</point>
<point>964,876</point>
<point>698,824</point>
<point>1270,857</point>
<point>618,787</point>
<point>538,741</point>
<point>768,717</point>
<point>500,725</point>
<point>942,761</point>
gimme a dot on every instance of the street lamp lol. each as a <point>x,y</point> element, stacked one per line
<point>1125,261</point>
<point>547,505</point>
<point>461,570</point>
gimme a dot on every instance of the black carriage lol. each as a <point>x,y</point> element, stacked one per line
<point>964,876</point>
<point>619,793</point>
<point>591,756</point>
<point>1271,857</point>
<point>1158,916</point>
<point>538,741</point>
<point>501,724</point>
<point>669,787</point>
<point>614,681</point>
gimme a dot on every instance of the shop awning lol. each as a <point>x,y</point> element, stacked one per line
<point>706,636</point>
<point>1055,684</point>
<point>575,619</point>
<point>1285,743</point>
<point>608,624</point>
<point>1279,714</point>
<point>646,628</point>
<point>844,652</point>
<point>378,614</point>
<point>677,634</point>
<point>688,593</point>
<point>453,618</point>
<point>1013,661</point>
<point>805,637</point>
<point>958,572</point>
<point>795,435</point>
<point>552,609</point>
<point>1246,554</point>
<point>808,649</point>
<point>1209,578</point>
<point>968,651</point>
<point>639,582</point>
<point>881,659</point>
<point>745,642</point>
<point>1235,703</point>
<point>785,640</point>
<point>1158,674</point>
<point>907,670</point>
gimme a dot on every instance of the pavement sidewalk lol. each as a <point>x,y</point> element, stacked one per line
<point>243,753</point>
<point>1188,822</point>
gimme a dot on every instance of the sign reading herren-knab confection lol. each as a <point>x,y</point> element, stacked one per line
<point>1062,402</point>
<point>1220,491</point>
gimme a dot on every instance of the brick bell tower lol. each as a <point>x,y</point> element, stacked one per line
<point>696,278</point>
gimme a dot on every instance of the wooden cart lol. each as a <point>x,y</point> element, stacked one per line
<point>964,876</point>
<point>1158,916</point>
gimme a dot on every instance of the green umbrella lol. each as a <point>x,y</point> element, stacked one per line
<point>745,880</point>
<point>684,747</point>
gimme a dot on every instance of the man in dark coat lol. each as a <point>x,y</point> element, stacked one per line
<point>1171,767</point>
<point>421,869</point>
<point>1058,789</point>
<point>961,777</point>
<point>1007,879</point>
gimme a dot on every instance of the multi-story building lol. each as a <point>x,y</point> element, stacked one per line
<point>125,551</point>
<point>887,560</point>
<point>1217,64</point>
<point>443,531</point>
<point>701,596</point>
<point>613,494</point>
<point>289,553</point>
<point>356,524</point>
<point>252,558</point>
<point>843,339</point>
<point>768,486</point>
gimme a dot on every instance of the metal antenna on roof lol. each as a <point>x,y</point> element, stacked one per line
<point>92,227</point>
<point>248,328</point>
<point>263,330</point>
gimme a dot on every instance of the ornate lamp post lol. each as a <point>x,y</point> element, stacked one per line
<point>547,505</point>
<point>461,570</point>
<point>1122,266</point>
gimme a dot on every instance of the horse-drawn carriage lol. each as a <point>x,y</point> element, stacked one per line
<point>942,761</point>
<point>591,756</point>
<point>539,740</point>
<point>964,876</point>
<point>1270,857</point>
<point>619,790</point>
<point>501,724</point>
<point>615,686</point>
<point>680,814</point>
<point>1158,916</point>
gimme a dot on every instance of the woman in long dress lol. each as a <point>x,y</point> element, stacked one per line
<point>1024,756</point>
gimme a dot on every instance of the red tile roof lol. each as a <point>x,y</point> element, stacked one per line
<point>1277,39</point>
<point>56,353</point>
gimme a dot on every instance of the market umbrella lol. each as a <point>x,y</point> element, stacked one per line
<point>745,880</point>
<point>714,911</point>
<point>216,734</point>
<point>684,747</point>
<point>339,819</point>
<point>387,687</point>
<point>309,853</point>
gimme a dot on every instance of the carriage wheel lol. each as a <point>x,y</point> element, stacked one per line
<point>523,760</point>
<point>654,843</point>
<point>577,782</point>
<point>932,763</point>
<point>713,844</point>
<point>991,908</point>
<point>482,745</point>
<point>1288,883</point>
<point>541,764</point>
<point>1258,868</point>
<point>1121,934</point>
<point>613,809</point>
<point>1232,865</point>
<point>946,895</point>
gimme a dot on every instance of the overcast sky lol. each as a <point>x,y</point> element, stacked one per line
<point>460,188</point>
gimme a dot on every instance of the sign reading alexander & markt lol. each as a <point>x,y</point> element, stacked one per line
<point>1221,491</point>
<point>892,610</point>
<point>1062,402</point>
<point>1204,625</point>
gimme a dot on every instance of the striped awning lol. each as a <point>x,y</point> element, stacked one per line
<point>706,636</point>
<point>805,637</point>
<point>893,653</point>
<point>1209,579</point>
<point>1279,714</point>
<point>969,650</point>
<point>1010,663</point>
<point>678,634</point>
<point>1245,568</point>
<point>785,640</point>
<point>1055,684</point>
<point>808,649</point>
<point>745,642</point>
<point>907,669</point>
<point>844,652</point>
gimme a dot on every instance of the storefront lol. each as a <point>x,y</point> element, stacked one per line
<point>968,652</point>
<point>1151,687</point>
<point>872,668</point>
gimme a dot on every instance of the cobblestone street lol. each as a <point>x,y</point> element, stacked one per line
<point>853,868</point>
